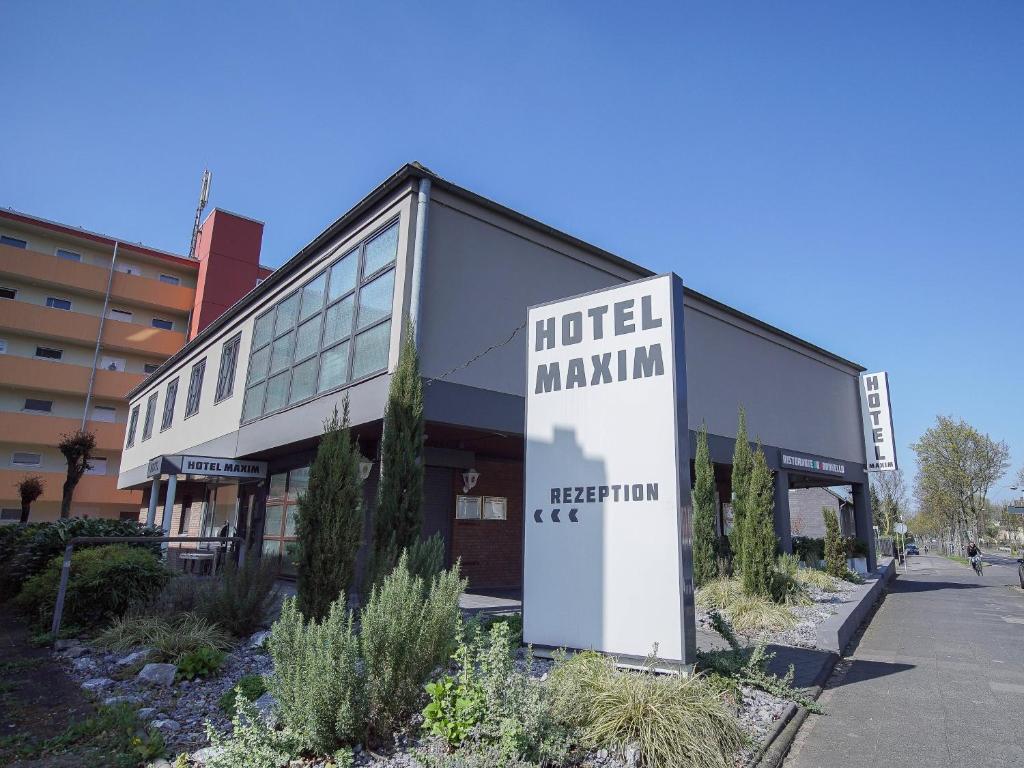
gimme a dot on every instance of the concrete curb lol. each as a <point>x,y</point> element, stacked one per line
<point>777,745</point>
<point>835,633</point>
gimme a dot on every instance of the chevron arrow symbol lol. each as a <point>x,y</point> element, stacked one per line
<point>537,516</point>
<point>554,515</point>
<point>572,514</point>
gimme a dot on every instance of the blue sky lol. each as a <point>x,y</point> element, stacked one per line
<point>850,172</point>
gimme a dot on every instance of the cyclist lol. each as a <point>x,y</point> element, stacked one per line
<point>974,555</point>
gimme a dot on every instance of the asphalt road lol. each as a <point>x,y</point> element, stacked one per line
<point>936,680</point>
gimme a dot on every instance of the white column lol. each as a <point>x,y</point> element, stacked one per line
<point>172,488</point>
<point>154,494</point>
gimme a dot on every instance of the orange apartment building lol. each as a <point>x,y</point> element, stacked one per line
<point>84,318</point>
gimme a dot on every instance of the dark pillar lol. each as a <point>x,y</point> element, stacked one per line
<point>862,520</point>
<point>782,525</point>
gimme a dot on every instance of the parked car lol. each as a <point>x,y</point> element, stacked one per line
<point>912,549</point>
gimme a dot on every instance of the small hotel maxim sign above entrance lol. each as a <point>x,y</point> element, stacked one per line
<point>207,466</point>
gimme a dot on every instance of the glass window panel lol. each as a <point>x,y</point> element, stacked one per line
<point>287,311</point>
<point>298,483</point>
<point>338,322</point>
<point>303,381</point>
<point>375,299</point>
<point>343,276</point>
<point>334,367</point>
<point>271,549</point>
<point>261,332</point>
<point>277,392</point>
<point>281,356</point>
<point>313,296</point>
<point>306,338</point>
<point>291,517</point>
<point>254,401</point>
<point>258,364</point>
<point>371,350</point>
<point>278,486</point>
<point>381,250</point>
<point>272,524</point>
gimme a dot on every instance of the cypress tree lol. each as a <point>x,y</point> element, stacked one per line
<point>399,515</point>
<point>835,548</point>
<point>758,554</point>
<point>330,524</point>
<point>705,549</point>
<point>742,461</point>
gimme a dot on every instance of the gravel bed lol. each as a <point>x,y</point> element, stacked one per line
<point>181,710</point>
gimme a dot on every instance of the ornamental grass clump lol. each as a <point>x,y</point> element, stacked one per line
<point>719,593</point>
<point>170,639</point>
<point>814,578</point>
<point>671,720</point>
<point>752,615</point>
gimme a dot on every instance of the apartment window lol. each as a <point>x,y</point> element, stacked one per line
<point>170,279</point>
<point>23,459</point>
<point>55,303</point>
<point>226,374</point>
<point>112,364</point>
<point>169,397</point>
<point>49,353</point>
<point>3,346</point>
<point>14,242</point>
<point>8,293</point>
<point>133,422</point>
<point>97,466</point>
<point>38,406</point>
<point>104,413</point>
<point>195,388</point>
<point>167,325</point>
<point>120,314</point>
<point>150,367</point>
<point>64,253</point>
<point>333,331</point>
<point>147,426</point>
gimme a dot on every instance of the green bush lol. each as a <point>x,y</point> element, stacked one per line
<point>407,632</point>
<point>672,720</point>
<point>202,662</point>
<point>786,588</point>
<point>103,583</point>
<point>170,639</point>
<point>759,544</point>
<point>240,599</point>
<point>426,557</point>
<point>318,681</point>
<point>810,550</point>
<point>835,547</point>
<point>705,511</point>
<point>249,686</point>
<point>29,552</point>
<point>252,743</point>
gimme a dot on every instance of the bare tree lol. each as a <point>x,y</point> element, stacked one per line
<point>77,448</point>
<point>891,494</point>
<point>30,488</point>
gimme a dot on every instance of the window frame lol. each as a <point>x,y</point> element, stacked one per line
<point>11,241</point>
<point>355,293</point>
<point>155,320</point>
<point>38,463</point>
<point>58,251</point>
<point>170,401</point>
<point>26,409</point>
<point>198,367</point>
<point>106,465</point>
<point>14,293</point>
<point>169,279</point>
<point>57,359</point>
<point>226,383</point>
<point>113,312</point>
<point>69,308</point>
<point>113,414</point>
<point>133,426</point>
<point>147,425</point>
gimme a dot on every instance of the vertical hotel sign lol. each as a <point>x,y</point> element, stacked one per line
<point>607,558</point>
<point>879,443</point>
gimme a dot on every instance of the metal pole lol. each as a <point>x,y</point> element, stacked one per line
<point>99,336</point>
<point>58,609</point>
<point>154,495</point>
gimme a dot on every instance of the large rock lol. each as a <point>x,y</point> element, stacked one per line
<point>134,658</point>
<point>84,664</point>
<point>167,725</point>
<point>146,713</point>
<point>257,639</point>
<point>158,674</point>
<point>97,684</point>
<point>266,706</point>
<point>202,756</point>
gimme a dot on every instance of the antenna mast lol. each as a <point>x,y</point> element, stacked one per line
<point>204,195</point>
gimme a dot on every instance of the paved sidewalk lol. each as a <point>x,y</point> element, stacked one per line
<point>936,680</point>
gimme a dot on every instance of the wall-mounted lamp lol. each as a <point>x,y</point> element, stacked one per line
<point>469,478</point>
<point>365,467</point>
